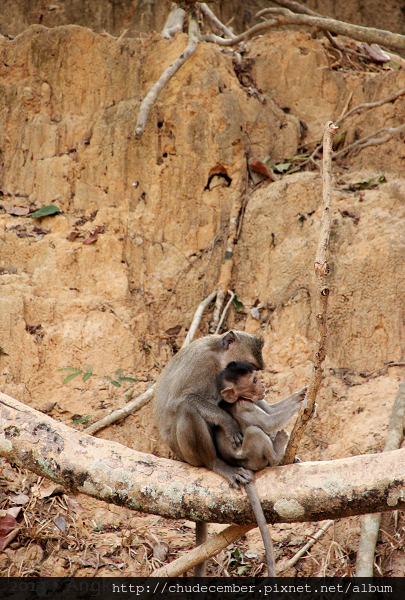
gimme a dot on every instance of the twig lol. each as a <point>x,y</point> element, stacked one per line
<point>210,37</point>
<point>135,405</point>
<point>370,140</point>
<point>203,552</point>
<point>208,13</point>
<point>152,96</point>
<point>225,275</point>
<point>225,311</point>
<point>368,105</point>
<point>321,272</point>
<point>356,109</point>
<point>370,35</point>
<point>290,563</point>
<point>197,318</point>
<point>370,524</point>
<point>174,22</point>
<point>390,364</point>
<point>295,7</point>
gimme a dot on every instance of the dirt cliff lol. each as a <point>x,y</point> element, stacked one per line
<point>141,234</point>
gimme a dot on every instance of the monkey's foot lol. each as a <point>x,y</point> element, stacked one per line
<point>235,475</point>
<point>300,395</point>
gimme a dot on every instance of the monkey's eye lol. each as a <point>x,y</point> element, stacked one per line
<point>254,379</point>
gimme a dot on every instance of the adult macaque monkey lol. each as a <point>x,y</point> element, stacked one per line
<point>264,441</point>
<point>186,405</point>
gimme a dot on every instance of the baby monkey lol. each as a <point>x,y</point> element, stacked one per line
<point>264,442</point>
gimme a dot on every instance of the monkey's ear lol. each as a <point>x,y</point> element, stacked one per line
<point>229,395</point>
<point>228,339</point>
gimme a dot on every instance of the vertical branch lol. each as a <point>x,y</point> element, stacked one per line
<point>370,524</point>
<point>321,272</point>
<point>152,96</point>
<point>226,267</point>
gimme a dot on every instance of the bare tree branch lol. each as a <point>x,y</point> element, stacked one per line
<point>135,405</point>
<point>208,13</point>
<point>367,105</point>
<point>225,275</point>
<point>225,310</point>
<point>211,547</point>
<point>370,524</point>
<point>111,472</point>
<point>321,272</point>
<point>370,140</point>
<point>290,563</point>
<point>197,318</point>
<point>152,96</point>
<point>370,35</point>
<point>174,22</point>
<point>210,37</point>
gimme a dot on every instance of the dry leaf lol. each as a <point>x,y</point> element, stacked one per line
<point>174,330</point>
<point>60,522</point>
<point>18,211</point>
<point>91,239</point>
<point>20,499</point>
<point>74,505</point>
<point>72,236</point>
<point>160,551</point>
<point>51,490</point>
<point>7,524</point>
<point>260,167</point>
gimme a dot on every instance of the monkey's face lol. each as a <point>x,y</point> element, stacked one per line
<point>247,387</point>
<point>239,346</point>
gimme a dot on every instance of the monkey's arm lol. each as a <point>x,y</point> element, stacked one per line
<point>215,415</point>
<point>288,405</point>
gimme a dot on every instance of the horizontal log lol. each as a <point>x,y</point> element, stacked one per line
<point>106,470</point>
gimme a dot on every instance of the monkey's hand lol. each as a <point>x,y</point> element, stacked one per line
<point>234,434</point>
<point>235,475</point>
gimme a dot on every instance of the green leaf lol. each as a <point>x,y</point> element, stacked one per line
<point>87,376</point>
<point>237,303</point>
<point>83,420</point>
<point>128,379</point>
<point>241,570</point>
<point>368,183</point>
<point>118,373</point>
<point>111,380</point>
<point>45,211</point>
<point>88,368</point>
<point>281,167</point>
<point>236,554</point>
<point>68,369</point>
<point>299,157</point>
<point>269,162</point>
<point>72,376</point>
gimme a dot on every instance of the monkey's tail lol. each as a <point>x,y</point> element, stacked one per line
<point>261,521</point>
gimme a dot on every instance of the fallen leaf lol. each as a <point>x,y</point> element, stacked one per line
<point>98,229</point>
<point>7,524</point>
<point>72,236</point>
<point>255,312</point>
<point>14,512</point>
<point>51,490</point>
<point>160,551</point>
<point>18,211</point>
<point>46,211</point>
<point>20,499</point>
<point>60,522</point>
<point>174,330</point>
<point>260,167</point>
<point>375,53</point>
<point>74,505</point>
<point>91,239</point>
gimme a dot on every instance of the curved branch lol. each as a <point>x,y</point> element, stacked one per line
<point>210,37</point>
<point>356,32</point>
<point>152,96</point>
<point>208,13</point>
<point>114,473</point>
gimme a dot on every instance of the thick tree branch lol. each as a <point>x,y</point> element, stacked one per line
<point>152,96</point>
<point>321,272</point>
<point>174,22</point>
<point>114,473</point>
<point>370,524</point>
<point>369,35</point>
<point>210,15</point>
